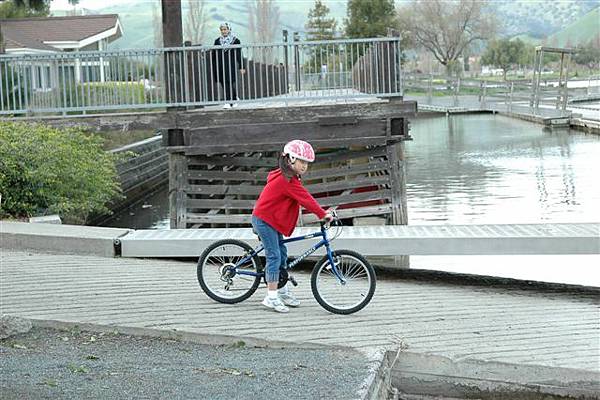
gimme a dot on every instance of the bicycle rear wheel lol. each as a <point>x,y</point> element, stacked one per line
<point>348,297</point>
<point>218,276</point>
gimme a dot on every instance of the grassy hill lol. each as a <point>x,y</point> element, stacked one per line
<point>138,25</point>
<point>531,20</point>
<point>579,32</point>
<point>540,18</point>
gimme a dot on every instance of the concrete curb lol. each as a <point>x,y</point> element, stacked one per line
<point>199,338</point>
<point>63,239</point>
<point>377,385</point>
<point>433,375</point>
<point>412,373</point>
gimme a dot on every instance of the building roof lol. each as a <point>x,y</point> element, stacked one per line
<point>55,33</point>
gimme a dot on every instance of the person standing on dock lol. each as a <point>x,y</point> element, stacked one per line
<point>226,62</point>
<point>276,213</point>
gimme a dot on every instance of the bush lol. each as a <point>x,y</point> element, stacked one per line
<point>110,93</point>
<point>90,95</point>
<point>44,170</point>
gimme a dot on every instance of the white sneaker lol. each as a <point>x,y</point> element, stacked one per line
<point>289,299</point>
<point>275,304</point>
<point>234,105</point>
<point>227,106</point>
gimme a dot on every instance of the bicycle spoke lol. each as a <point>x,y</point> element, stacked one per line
<point>218,271</point>
<point>348,289</point>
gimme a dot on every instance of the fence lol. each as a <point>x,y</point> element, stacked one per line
<point>509,96</point>
<point>198,76</point>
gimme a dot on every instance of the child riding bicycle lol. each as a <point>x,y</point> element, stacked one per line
<point>276,213</point>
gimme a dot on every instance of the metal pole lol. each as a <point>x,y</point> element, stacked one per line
<point>297,60</point>
<point>566,89</point>
<point>560,81</point>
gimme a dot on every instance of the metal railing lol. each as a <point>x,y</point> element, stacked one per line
<point>508,96</point>
<point>76,82</point>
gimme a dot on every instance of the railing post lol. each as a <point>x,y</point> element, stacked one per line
<point>297,60</point>
<point>456,91</point>
<point>285,54</point>
<point>483,104</point>
<point>430,90</point>
<point>566,90</point>
<point>512,85</point>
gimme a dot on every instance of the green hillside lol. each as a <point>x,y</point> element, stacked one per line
<point>579,32</point>
<point>138,25</point>
<point>527,39</point>
<point>531,20</point>
<point>539,18</point>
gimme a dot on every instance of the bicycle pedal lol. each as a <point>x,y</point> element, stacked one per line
<point>291,279</point>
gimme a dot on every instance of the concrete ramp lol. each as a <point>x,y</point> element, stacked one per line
<point>509,239</point>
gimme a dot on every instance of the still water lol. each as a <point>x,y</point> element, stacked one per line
<point>484,169</point>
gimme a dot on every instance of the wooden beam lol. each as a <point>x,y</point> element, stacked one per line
<point>171,23</point>
<point>177,196</point>
<point>209,148</point>
<point>159,120</point>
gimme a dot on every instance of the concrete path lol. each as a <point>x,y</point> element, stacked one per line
<point>530,327</point>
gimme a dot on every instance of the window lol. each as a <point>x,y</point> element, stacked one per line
<point>41,78</point>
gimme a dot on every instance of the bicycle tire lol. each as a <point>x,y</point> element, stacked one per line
<point>226,253</point>
<point>322,280</point>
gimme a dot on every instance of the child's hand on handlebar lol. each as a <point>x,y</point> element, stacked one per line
<point>328,217</point>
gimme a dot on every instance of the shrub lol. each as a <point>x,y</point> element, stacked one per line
<point>44,170</point>
<point>90,95</point>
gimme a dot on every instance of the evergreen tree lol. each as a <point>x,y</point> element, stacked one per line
<point>319,27</point>
<point>14,9</point>
<point>22,9</point>
<point>369,18</point>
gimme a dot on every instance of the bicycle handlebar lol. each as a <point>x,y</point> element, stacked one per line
<point>333,214</point>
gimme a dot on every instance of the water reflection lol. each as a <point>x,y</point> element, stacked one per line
<point>484,169</point>
<point>151,213</point>
<point>481,169</point>
<point>494,169</point>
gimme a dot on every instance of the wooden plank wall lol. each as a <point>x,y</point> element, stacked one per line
<point>220,190</point>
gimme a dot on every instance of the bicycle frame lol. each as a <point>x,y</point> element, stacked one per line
<point>323,242</point>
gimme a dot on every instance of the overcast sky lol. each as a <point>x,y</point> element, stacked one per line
<point>91,4</point>
<point>95,4</point>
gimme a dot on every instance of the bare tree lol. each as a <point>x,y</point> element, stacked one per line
<point>263,25</point>
<point>196,21</point>
<point>157,23</point>
<point>447,28</point>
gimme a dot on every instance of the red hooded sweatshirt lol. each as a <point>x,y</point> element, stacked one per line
<point>280,200</point>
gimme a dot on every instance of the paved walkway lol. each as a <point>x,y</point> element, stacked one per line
<point>548,328</point>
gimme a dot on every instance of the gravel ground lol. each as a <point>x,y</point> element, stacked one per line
<point>54,364</point>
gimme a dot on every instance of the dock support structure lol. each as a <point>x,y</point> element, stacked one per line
<point>217,172</point>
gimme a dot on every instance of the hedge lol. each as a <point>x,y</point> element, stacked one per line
<point>45,170</point>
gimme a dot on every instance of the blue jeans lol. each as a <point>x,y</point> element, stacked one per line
<point>275,251</point>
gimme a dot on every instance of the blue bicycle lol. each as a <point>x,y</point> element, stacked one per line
<point>343,281</point>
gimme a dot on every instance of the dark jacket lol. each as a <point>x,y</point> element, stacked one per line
<point>226,62</point>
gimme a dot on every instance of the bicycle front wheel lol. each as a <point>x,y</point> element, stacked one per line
<point>221,278</point>
<point>347,296</point>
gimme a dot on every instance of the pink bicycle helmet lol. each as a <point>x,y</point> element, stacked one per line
<point>299,149</point>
